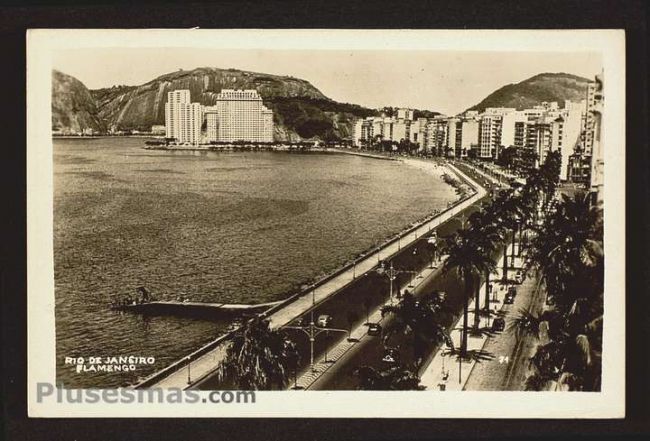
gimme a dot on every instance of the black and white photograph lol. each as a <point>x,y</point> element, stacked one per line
<point>254,217</point>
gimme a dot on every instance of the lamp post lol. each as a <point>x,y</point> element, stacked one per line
<point>433,240</point>
<point>312,332</point>
<point>189,362</point>
<point>392,273</point>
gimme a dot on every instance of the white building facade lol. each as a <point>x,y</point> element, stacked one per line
<point>243,117</point>
<point>183,119</point>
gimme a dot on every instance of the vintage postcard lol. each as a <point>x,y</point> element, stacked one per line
<point>326,223</point>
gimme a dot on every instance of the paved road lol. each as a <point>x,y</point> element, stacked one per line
<point>509,369</point>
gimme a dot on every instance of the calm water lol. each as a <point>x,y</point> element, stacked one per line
<point>216,227</point>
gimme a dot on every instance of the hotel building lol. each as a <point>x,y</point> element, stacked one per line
<point>183,119</point>
<point>240,115</point>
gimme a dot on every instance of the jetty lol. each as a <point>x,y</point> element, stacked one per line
<point>193,309</point>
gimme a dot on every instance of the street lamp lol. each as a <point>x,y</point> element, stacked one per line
<point>189,381</point>
<point>433,240</point>
<point>392,275</point>
<point>312,332</point>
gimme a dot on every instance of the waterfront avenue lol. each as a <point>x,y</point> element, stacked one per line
<point>332,295</point>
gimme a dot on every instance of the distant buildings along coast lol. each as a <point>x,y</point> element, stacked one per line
<point>238,115</point>
<point>573,130</point>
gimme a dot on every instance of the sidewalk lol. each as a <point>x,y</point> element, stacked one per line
<point>446,372</point>
<point>510,369</point>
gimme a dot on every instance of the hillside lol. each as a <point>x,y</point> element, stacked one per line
<point>300,109</point>
<point>533,91</point>
<point>73,107</point>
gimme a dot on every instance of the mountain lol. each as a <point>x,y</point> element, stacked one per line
<point>533,91</point>
<point>73,106</point>
<point>300,109</point>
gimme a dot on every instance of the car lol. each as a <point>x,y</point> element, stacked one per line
<point>391,356</point>
<point>519,277</point>
<point>374,329</point>
<point>324,321</point>
<point>499,324</point>
<point>509,299</point>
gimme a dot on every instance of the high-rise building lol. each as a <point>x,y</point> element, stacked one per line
<point>468,137</point>
<point>406,114</point>
<point>211,123</point>
<point>595,108</point>
<point>452,130</point>
<point>539,136</point>
<point>243,117</point>
<point>513,129</point>
<point>183,119</point>
<point>490,127</point>
<point>568,142</point>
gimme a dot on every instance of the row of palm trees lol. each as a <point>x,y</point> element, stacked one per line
<point>472,254</point>
<point>565,250</point>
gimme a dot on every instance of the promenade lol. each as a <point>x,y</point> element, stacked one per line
<point>193,369</point>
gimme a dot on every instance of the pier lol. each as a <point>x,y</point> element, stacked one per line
<point>194,309</point>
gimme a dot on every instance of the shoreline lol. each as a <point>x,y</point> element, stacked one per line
<point>203,358</point>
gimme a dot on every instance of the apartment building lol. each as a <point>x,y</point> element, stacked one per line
<point>183,119</point>
<point>242,116</point>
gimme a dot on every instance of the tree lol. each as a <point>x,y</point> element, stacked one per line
<point>488,236</point>
<point>567,252</point>
<point>392,378</point>
<point>469,261</point>
<point>421,319</point>
<point>258,358</point>
<point>505,212</point>
<point>569,246</point>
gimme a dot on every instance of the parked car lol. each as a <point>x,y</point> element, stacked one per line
<point>519,277</point>
<point>324,320</point>
<point>499,324</point>
<point>374,329</point>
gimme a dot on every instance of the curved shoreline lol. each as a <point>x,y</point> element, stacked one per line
<point>204,360</point>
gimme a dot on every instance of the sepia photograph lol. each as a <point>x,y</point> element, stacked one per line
<point>253,217</point>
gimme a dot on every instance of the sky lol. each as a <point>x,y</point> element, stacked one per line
<point>445,81</point>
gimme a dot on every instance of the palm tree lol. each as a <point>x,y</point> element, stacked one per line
<point>258,358</point>
<point>504,211</point>
<point>392,378</point>
<point>567,246</point>
<point>469,261</point>
<point>488,236</point>
<point>421,319</point>
<point>568,254</point>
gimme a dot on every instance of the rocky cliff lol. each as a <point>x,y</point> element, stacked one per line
<point>543,87</point>
<point>73,106</point>
<point>300,109</point>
